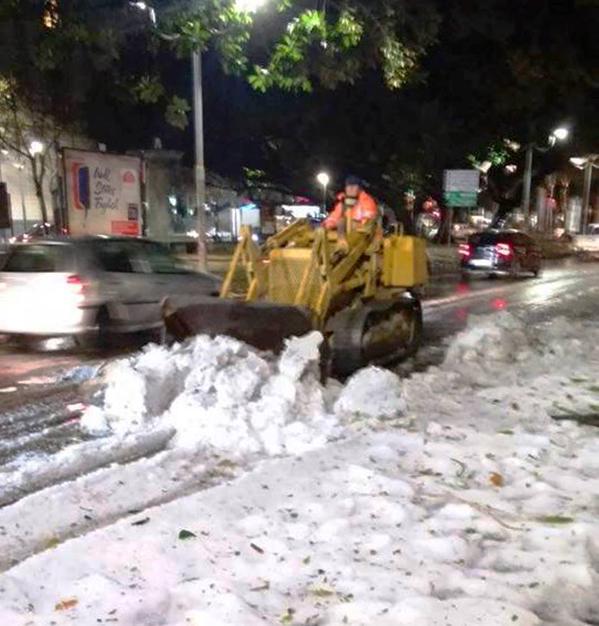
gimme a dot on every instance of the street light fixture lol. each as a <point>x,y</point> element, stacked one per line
<point>249,6</point>
<point>36,147</point>
<point>559,134</point>
<point>324,179</point>
<point>587,164</point>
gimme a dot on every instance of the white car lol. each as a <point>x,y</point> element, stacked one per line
<point>93,286</point>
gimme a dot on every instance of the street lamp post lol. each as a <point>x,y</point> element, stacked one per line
<point>324,179</point>
<point>246,6</point>
<point>36,149</point>
<point>587,164</point>
<point>559,134</point>
<point>200,165</point>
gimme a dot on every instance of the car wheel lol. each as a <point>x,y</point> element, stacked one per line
<point>104,337</point>
<point>537,273</point>
<point>100,337</point>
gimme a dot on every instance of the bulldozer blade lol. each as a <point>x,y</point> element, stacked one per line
<point>261,325</point>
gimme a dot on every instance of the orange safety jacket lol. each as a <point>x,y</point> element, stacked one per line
<point>365,210</point>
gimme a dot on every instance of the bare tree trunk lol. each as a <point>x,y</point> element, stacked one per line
<point>38,182</point>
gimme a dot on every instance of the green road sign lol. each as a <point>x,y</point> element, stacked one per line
<point>461,198</point>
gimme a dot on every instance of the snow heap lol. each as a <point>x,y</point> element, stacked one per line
<point>502,349</point>
<point>480,509</point>
<point>220,394</point>
<point>374,393</point>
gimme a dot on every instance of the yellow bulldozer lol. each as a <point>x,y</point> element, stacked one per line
<point>364,299</point>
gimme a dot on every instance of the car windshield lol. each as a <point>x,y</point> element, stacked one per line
<point>37,258</point>
<point>161,260</point>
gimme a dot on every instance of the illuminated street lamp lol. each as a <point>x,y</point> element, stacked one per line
<point>249,6</point>
<point>587,164</point>
<point>559,134</point>
<point>324,179</point>
<point>36,147</point>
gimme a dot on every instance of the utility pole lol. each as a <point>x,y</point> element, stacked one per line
<point>527,184</point>
<point>324,179</point>
<point>248,6</point>
<point>20,167</point>
<point>587,163</point>
<point>559,134</point>
<point>586,194</point>
<point>200,166</point>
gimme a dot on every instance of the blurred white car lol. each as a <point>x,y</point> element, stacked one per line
<point>93,286</point>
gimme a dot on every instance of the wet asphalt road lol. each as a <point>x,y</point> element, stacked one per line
<point>565,288</point>
<point>39,411</point>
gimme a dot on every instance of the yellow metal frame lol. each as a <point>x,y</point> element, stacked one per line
<point>329,274</point>
<point>249,256</point>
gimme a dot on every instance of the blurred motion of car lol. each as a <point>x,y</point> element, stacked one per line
<point>40,231</point>
<point>500,252</point>
<point>93,287</point>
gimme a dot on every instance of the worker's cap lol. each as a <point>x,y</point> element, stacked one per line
<point>354,180</point>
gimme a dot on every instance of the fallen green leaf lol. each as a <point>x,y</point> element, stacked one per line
<point>555,519</point>
<point>186,534</point>
<point>321,592</point>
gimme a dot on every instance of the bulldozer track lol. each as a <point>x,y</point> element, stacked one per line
<point>348,329</point>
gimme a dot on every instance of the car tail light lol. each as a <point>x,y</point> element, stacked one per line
<point>504,249</point>
<point>77,284</point>
<point>465,250</point>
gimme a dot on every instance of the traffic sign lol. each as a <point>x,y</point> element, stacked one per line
<point>461,187</point>
<point>461,198</point>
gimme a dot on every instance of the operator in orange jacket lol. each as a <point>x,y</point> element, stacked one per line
<point>354,203</point>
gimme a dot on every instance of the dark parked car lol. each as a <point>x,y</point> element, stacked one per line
<point>500,252</point>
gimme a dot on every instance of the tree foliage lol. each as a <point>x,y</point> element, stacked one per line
<point>292,45</point>
<point>20,126</point>
<point>420,84</point>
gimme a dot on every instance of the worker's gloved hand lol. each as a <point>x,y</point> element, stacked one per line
<point>342,247</point>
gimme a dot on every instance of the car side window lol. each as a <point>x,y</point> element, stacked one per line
<point>160,260</point>
<point>114,257</point>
